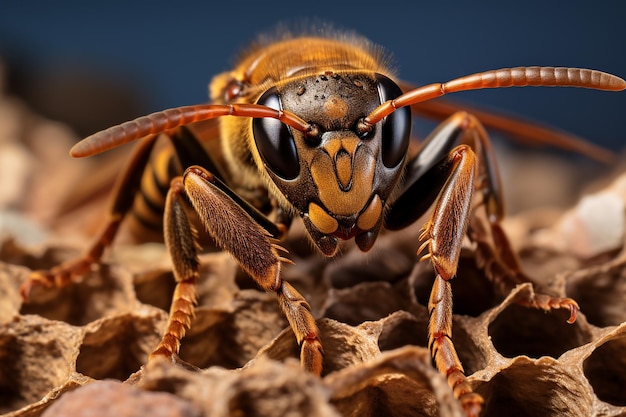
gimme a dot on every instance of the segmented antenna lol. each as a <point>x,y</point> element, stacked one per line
<point>162,121</point>
<point>505,77</point>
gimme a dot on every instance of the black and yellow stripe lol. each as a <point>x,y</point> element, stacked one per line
<point>184,149</point>
<point>148,206</point>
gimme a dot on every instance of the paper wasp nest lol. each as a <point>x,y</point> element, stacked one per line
<point>66,352</point>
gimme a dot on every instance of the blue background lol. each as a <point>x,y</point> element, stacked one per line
<point>165,53</point>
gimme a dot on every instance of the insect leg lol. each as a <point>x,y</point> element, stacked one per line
<point>181,242</point>
<point>443,235</point>
<point>125,189</point>
<point>502,267</point>
<point>236,231</point>
<point>494,251</point>
<point>425,176</point>
<point>442,171</point>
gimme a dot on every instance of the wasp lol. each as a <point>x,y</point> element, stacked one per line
<point>320,127</point>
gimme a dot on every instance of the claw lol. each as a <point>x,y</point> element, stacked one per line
<point>573,309</point>
<point>565,303</point>
<point>572,314</point>
<point>41,278</point>
<point>547,303</point>
<point>56,277</point>
<point>25,289</point>
<point>472,404</point>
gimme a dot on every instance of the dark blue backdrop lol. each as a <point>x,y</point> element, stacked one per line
<point>169,50</point>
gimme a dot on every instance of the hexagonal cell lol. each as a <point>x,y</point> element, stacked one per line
<point>229,325</point>
<point>390,260</point>
<point>155,288</point>
<point>605,370</point>
<point>472,292</point>
<point>209,341</point>
<point>399,383</point>
<point>405,329</point>
<point>401,329</point>
<point>104,292</point>
<point>600,292</point>
<point>529,388</point>
<point>346,346</point>
<point>472,349</point>
<point>118,346</point>
<point>343,345</point>
<point>519,330</point>
<point>36,356</point>
<point>346,305</point>
<point>387,396</point>
<point>230,337</point>
<point>215,285</point>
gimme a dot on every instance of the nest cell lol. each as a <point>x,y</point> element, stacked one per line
<point>519,330</point>
<point>528,388</point>
<point>36,356</point>
<point>605,370</point>
<point>97,295</point>
<point>116,347</point>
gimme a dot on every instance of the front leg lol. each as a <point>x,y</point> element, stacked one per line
<point>234,227</point>
<point>443,235</point>
<point>425,177</point>
<point>453,161</point>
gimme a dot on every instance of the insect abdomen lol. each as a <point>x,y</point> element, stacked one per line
<point>146,222</point>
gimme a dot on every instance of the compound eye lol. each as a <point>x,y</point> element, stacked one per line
<point>275,141</point>
<point>396,128</point>
<point>233,90</point>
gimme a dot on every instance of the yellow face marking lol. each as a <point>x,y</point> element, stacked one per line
<point>350,144</point>
<point>371,214</point>
<point>344,169</point>
<point>322,220</point>
<point>343,160</point>
<point>338,201</point>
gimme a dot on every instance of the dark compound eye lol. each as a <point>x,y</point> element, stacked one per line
<point>396,128</point>
<point>233,90</point>
<point>275,141</point>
